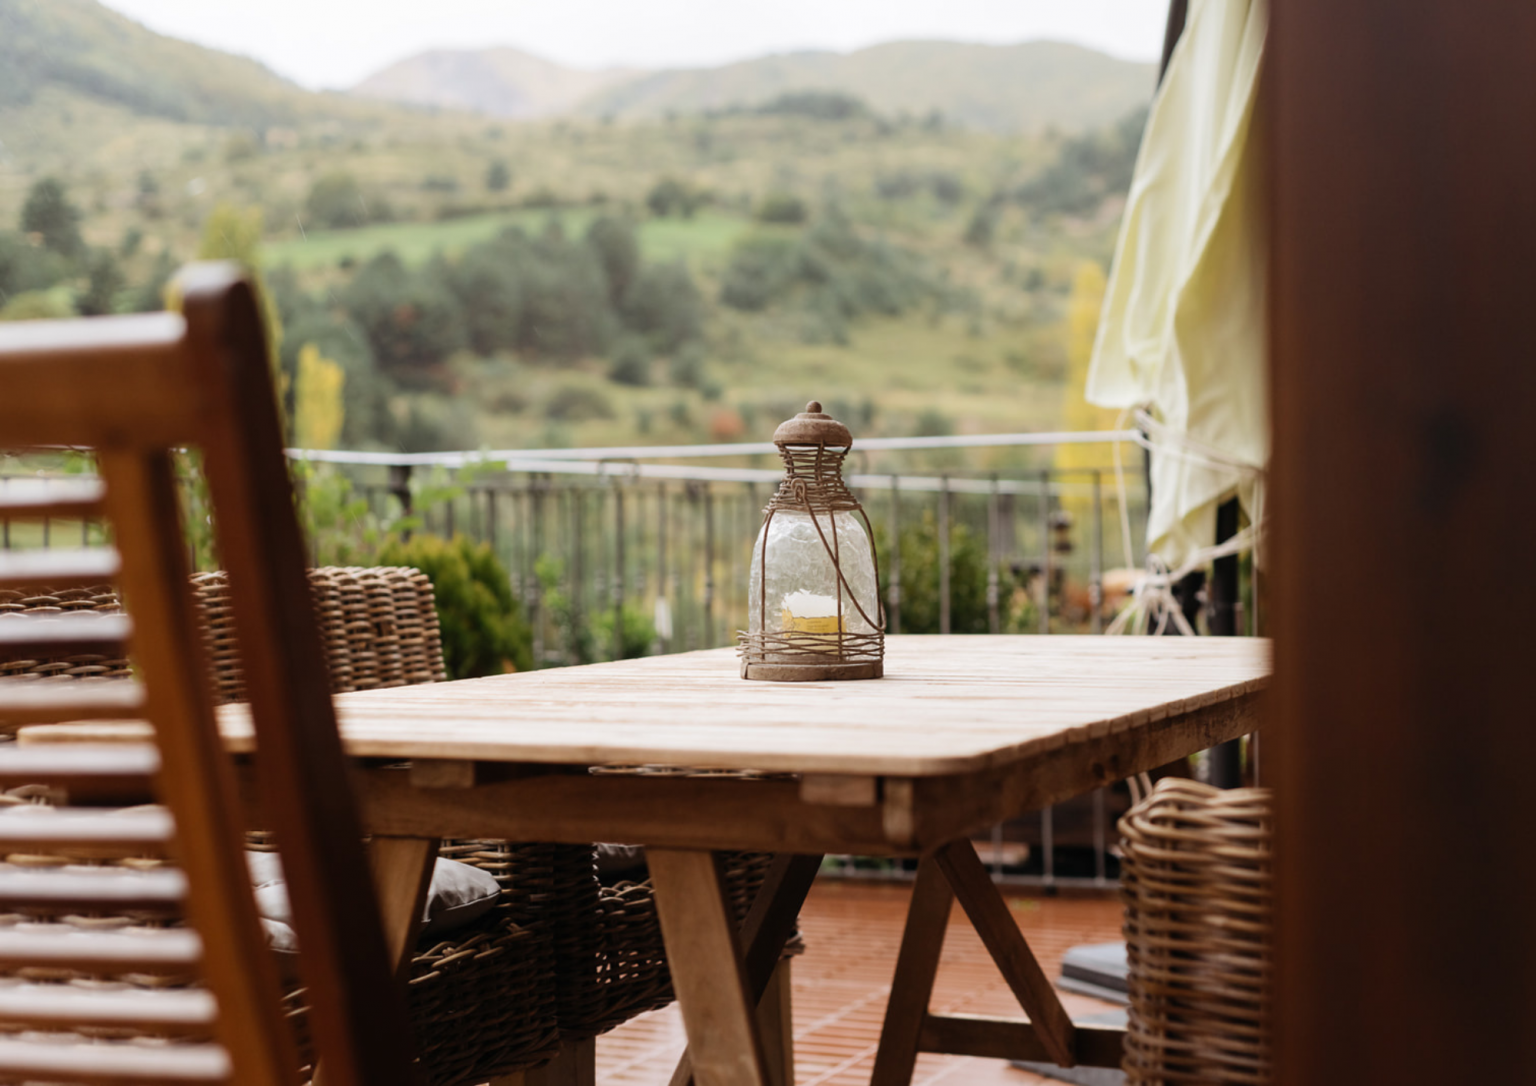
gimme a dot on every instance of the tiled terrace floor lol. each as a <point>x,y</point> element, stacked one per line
<point>852,931</point>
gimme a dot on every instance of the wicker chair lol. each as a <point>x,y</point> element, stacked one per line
<point>380,628</point>
<point>603,943</point>
<point>1196,881</point>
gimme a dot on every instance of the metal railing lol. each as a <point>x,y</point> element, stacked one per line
<point>608,539</point>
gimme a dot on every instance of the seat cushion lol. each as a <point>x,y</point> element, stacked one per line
<point>459,894</point>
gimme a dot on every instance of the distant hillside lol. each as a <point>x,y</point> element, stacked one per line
<point>1023,88</point>
<point>80,47</point>
<point>499,82</point>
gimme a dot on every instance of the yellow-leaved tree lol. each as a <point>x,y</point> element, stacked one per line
<point>317,405</point>
<point>1077,413</point>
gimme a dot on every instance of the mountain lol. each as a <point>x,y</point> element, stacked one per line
<point>84,49</point>
<point>501,82</point>
<point>1023,88</point>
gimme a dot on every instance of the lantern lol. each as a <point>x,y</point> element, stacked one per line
<point>814,603</point>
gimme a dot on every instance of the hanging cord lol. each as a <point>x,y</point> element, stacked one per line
<point>1152,599</point>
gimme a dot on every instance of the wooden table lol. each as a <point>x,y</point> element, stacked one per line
<point>962,733</point>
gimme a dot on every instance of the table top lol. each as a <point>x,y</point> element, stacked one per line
<point>946,705</point>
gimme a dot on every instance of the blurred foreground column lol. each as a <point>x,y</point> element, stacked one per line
<point>1402,136</point>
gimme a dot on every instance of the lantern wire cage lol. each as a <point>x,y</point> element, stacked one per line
<point>813,485</point>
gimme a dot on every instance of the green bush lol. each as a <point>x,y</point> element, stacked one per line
<point>631,364</point>
<point>920,577</point>
<point>484,632</point>
<point>781,207</point>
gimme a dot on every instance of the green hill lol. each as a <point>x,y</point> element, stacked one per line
<point>83,49</point>
<point>1018,88</point>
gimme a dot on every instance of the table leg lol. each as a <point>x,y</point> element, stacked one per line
<point>402,875</point>
<point>917,963</point>
<point>767,927</point>
<point>955,871</point>
<point>707,974</point>
<point>990,917</point>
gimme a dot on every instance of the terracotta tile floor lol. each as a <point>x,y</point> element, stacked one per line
<point>852,932</point>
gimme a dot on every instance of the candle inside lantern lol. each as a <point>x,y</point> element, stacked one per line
<point>807,612</point>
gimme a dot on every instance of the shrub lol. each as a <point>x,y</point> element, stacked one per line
<point>336,201</point>
<point>498,176</point>
<point>670,197</point>
<point>49,214</point>
<point>781,207</point>
<point>483,629</point>
<point>576,403</point>
<point>665,306</point>
<point>631,364</point>
<point>920,577</point>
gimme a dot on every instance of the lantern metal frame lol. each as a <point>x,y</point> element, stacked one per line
<point>813,484</point>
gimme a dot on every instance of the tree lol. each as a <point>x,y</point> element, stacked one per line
<point>781,207</point>
<point>49,214</point>
<point>498,176</point>
<point>234,233</point>
<point>669,197</point>
<point>631,363</point>
<point>411,320</point>
<point>336,201</point>
<point>1077,413</point>
<point>317,402</point>
<point>104,280</point>
<point>618,251</point>
<point>665,306</point>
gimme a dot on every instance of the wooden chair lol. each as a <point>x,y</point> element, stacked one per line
<point>133,389</point>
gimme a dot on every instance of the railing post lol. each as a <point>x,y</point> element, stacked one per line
<point>400,487</point>
<point>1096,560</point>
<point>893,566</point>
<point>944,555</point>
<point>709,566</point>
<point>535,586</point>
<point>994,616</point>
<point>618,572</point>
<point>663,602</point>
<point>1046,572</point>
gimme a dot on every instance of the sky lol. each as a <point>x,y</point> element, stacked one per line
<point>336,43</point>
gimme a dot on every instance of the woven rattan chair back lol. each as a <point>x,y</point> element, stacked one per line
<point>133,390</point>
<point>1196,879</point>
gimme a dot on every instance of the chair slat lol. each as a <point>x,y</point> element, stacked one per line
<point>109,889</point>
<point>65,567</point>
<point>175,1010</point>
<point>128,831</point>
<point>118,769</point>
<point>64,634</point>
<point>60,946</point>
<point>63,499</point>
<point>105,1064</point>
<point>31,701</point>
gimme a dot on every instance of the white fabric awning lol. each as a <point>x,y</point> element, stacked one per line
<point>1183,327</point>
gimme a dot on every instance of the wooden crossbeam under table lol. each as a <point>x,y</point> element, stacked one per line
<point>955,871</point>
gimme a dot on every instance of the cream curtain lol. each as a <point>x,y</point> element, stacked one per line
<point>1182,331</point>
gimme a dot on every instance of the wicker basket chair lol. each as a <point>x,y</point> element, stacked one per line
<point>1196,882</point>
<point>380,628</point>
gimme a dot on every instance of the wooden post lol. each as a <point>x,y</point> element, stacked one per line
<point>1401,166</point>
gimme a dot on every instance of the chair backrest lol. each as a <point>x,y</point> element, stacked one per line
<point>134,389</point>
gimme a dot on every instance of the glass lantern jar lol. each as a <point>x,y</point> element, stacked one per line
<point>814,611</point>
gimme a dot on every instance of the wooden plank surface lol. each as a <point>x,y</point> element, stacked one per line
<point>946,705</point>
